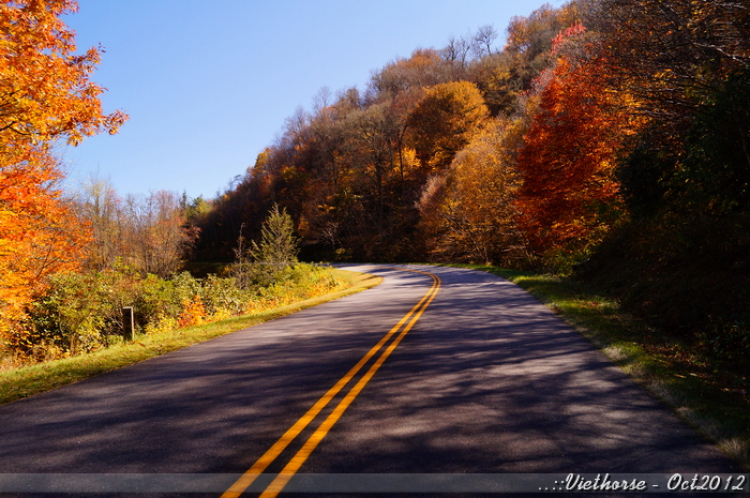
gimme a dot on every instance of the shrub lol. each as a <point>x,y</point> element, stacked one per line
<point>222,297</point>
<point>83,312</point>
<point>80,312</point>
<point>193,312</point>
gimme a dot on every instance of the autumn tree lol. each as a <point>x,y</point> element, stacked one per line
<point>46,96</point>
<point>529,41</point>
<point>424,68</point>
<point>679,58</point>
<point>148,234</point>
<point>443,122</point>
<point>469,213</point>
<point>101,206</point>
<point>570,194</point>
<point>39,233</point>
<point>670,53</point>
<point>160,232</point>
<point>359,172</point>
<point>373,136</point>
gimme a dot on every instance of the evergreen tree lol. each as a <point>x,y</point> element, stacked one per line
<point>278,244</point>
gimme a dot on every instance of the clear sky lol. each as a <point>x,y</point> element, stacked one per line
<point>208,85</point>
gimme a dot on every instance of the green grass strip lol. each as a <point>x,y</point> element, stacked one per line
<point>710,400</point>
<point>34,379</point>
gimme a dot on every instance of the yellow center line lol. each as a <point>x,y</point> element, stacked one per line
<point>301,456</point>
<point>247,479</point>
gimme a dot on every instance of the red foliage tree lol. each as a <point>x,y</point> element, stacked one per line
<point>570,195</point>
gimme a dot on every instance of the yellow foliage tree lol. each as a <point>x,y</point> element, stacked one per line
<point>444,121</point>
<point>471,215</point>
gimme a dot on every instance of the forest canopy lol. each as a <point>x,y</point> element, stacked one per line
<point>590,114</point>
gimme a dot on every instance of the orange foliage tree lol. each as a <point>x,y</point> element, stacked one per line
<point>469,213</point>
<point>45,96</point>
<point>570,194</point>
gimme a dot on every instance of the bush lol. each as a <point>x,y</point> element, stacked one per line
<point>158,299</point>
<point>222,297</point>
<point>80,313</point>
<point>690,280</point>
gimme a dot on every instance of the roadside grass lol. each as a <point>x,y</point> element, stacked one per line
<point>705,394</point>
<point>29,380</point>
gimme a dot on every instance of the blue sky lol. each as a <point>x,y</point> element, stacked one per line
<point>208,85</point>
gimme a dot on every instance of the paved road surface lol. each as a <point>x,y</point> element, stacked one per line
<point>486,381</point>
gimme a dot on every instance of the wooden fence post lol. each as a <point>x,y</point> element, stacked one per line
<point>128,323</point>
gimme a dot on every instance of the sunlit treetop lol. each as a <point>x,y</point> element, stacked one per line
<point>45,87</point>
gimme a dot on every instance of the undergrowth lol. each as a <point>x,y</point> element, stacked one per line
<point>24,381</point>
<point>80,313</point>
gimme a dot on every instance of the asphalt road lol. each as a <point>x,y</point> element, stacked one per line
<point>478,379</point>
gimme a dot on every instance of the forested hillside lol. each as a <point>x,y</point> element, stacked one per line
<point>608,138</point>
<point>591,114</point>
<point>612,136</point>
<point>386,172</point>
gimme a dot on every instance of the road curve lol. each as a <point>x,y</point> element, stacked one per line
<point>485,380</point>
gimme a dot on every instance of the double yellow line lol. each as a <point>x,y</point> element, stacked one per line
<point>312,442</point>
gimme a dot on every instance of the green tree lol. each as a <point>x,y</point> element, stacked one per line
<point>278,244</point>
